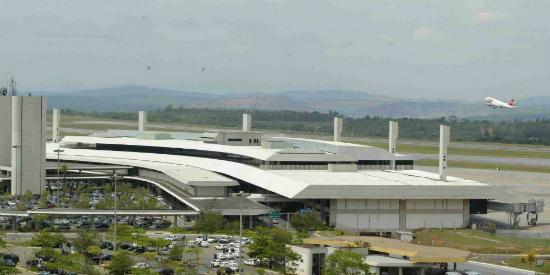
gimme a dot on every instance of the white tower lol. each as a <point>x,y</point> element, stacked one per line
<point>247,122</point>
<point>338,127</point>
<point>392,142</point>
<point>444,140</point>
<point>142,121</point>
<point>55,125</point>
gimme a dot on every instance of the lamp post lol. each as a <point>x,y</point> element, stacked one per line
<point>114,178</point>
<point>58,151</point>
<point>240,195</point>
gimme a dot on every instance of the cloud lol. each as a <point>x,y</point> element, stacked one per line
<point>423,33</point>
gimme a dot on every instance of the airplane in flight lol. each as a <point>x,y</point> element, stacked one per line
<point>491,102</point>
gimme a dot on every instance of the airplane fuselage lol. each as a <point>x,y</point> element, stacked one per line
<point>495,103</point>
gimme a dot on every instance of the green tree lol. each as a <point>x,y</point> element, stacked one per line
<point>83,201</point>
<point>26,197</point>
<point>345,262</point>
<point>306,222</point>
<point>85,240</point>
<point>45,239</point>
<point>209,222</point>
<point>140,194</point>
<point>271,243</point>
<point>176,253</point>
<point>121,264</point>
<point>42,203</point>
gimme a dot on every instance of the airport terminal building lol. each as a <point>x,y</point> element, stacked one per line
<point>355,188</point>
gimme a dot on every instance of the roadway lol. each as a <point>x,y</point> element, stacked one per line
<point>491,269</point>
<point>499,160</point>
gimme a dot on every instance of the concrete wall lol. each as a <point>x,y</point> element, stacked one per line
<point>391,215</point>
<point>5,131</point>
<point>31,142</point>
<point>206,191</point>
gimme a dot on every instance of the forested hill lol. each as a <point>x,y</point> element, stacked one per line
<point>531,132</point>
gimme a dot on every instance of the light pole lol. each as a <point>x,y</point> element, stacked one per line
<point>240,195</point>
<point>115,177</point>
<point>58,151</point>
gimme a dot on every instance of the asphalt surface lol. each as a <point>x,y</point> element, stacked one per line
<point>488,269</point>
<point>513,186</point>
<point>517,161</point>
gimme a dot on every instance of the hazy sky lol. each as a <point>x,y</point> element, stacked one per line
<point>457,49</point>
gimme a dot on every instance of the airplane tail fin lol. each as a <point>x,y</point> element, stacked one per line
<point>512,102</point>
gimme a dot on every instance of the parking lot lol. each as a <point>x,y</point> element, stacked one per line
<point>206,252</point>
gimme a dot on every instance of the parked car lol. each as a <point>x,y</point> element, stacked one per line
<point>215,263</point>
<point>204,244</point>
<point>252,261</point>
<point>141,265</point>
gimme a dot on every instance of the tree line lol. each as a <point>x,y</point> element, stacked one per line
<point>517,131</point>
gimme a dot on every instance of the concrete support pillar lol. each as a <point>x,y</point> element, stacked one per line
<point>422,271</point>
<point>338,127</point>
<point>392,142</point>
<point>400,271</point>
<point>142,121</point>
<point>251,222</point>
<point>55,125</point>
<point>402,215</point>
<point>444,140</point>
<point>247,122</point>
<point>175,221</point>
<point>466,209</point>
<point>16,142</point>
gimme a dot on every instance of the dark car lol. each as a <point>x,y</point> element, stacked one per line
<point>107,245</point>
<point>167,271</point>
<point>9,259</point>
<point>101,226</point>
<point>106,258</point>
<point>32,263</point>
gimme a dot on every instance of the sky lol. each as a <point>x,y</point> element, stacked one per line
<point>416,49</point>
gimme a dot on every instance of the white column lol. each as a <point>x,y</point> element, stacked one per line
<point>247,122</point>
<point>393,135</point>
<point>16,109</point>
<point>142,121</point>
<point>55,126</point>
<point>338,127</point>
<point>444,140</point>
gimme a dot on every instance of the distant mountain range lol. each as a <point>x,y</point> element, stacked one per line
<point>349,103</point>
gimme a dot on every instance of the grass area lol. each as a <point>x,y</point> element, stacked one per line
<point>428,149</point>
<point>486,166</point>
<point>481,242</point>
<point>517,263</point>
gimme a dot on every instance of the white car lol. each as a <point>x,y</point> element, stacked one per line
<point>224,239</point>
<point>234,244</point>
<point>215,263</point>
<point>141,265</point>
<point>471,272</point>
<point>233,266</point>
<point>252,261</point>
<point>170,238</point>
<point>220,246</point>
<point>211,240</point>
<point>204,244</point>
<point>221,256</point>
<point>199,239</point>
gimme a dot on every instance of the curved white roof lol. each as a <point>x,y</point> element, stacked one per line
<point>305,184</point>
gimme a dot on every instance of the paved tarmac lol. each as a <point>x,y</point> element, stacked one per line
<point>517,161</point>
<point>489,269</point>
<point>514,187</point>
